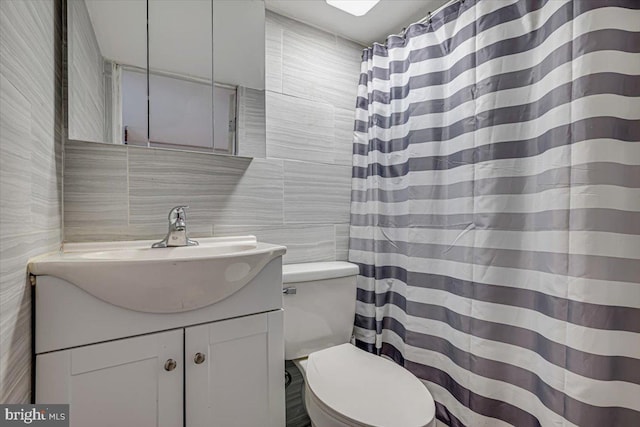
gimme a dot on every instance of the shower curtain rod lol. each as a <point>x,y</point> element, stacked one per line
<point>426,18</point>
<point>430,14</point>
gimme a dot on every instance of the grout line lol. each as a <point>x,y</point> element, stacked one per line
<point>281,30</point>
<point>335,242</point>
<point>283,193</point>
<point>128,192</point>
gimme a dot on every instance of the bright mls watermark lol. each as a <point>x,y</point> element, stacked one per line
<point>36,415</point>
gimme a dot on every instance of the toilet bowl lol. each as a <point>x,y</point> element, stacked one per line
<point>344,386</point>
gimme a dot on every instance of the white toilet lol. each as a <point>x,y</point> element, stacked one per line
<point>344,386</point>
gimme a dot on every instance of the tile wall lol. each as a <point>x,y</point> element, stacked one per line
<point>298,195</point>
<point>30,172</point>
<point>86,68</point>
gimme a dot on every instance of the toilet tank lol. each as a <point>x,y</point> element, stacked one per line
<point>320,313</point>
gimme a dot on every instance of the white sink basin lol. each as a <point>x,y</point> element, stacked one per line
<point>166,280</point>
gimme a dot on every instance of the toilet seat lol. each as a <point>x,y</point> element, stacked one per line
<point>356,388</point>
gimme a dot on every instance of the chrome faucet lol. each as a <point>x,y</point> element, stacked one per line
<point>177,235</point>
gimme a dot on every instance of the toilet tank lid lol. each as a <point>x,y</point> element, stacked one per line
<point>309,271</point>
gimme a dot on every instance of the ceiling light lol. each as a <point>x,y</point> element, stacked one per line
<point>354,7</point>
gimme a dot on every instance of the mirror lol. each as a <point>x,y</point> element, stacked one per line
<point>179,74</point>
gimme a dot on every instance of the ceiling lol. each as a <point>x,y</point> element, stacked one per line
<point>387,17</point>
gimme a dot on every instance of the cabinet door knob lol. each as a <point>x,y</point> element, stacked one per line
<point>170,365</point>
<point>198,358</point>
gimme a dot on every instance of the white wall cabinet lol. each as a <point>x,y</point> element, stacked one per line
<point>225,374</point>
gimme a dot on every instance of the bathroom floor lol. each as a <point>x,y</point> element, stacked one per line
<point>296,412</point>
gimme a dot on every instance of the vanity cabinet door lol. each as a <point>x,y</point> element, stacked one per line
<point>129,382</point>
<point>235,372</point>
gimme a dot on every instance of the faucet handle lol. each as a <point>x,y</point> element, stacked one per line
<point>177,213</point>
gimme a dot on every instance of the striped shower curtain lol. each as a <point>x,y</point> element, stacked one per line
<point>495,210</point>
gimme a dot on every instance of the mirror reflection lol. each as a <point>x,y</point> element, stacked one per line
<point>153,85</point>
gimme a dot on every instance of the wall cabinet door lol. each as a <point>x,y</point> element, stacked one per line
<point>129,382</point>
<point>234,372</point>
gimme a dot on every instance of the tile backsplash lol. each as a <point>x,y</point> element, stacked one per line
<point>299,195</point>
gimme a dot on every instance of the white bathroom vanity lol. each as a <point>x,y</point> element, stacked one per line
<point>204,349</point>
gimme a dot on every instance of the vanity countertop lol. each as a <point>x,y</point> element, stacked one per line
<point>135,276</point>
